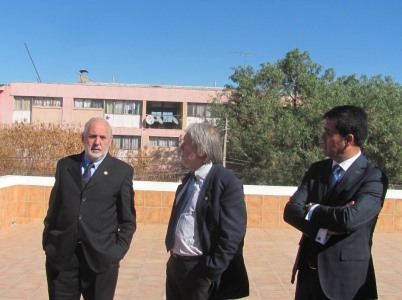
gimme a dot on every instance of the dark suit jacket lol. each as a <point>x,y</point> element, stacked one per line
<point>222,222</point>
<point>344,263</point>
<point>102,213</point>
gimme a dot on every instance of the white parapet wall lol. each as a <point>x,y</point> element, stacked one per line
<point>11,180</point>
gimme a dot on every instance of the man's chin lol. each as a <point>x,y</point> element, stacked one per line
<point>95,156</point>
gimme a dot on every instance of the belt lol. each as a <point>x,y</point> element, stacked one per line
<point>186,258</point>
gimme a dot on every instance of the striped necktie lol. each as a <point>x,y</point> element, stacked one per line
<point>335,176</point>
<point>87,173</point>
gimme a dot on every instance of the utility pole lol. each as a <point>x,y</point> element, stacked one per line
<point>225,140</point>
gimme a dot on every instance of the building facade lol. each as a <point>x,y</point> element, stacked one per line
<point>140,115</point>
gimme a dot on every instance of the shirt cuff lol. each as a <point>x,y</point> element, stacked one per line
<point>322,236</point>
<point>310,212</point>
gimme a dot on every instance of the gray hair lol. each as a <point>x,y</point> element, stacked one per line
<point>207,139</point>
<point>87,124</point>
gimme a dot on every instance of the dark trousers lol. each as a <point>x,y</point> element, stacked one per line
<point>185,280</point>
<point>308,285</point>
<point>78,278</point>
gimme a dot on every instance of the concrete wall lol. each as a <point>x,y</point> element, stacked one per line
<point>24,199</point>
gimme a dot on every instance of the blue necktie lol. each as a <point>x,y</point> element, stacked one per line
<point>87,173</point>
<point>335,176</point>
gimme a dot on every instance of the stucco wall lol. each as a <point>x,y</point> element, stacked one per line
<point>24,199</point>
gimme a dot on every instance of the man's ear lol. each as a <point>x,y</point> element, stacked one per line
<point>200,153</point>
<point>82,137</point>
<point>350,139</point>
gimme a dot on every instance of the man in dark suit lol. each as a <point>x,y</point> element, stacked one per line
<point>337,212</point>
<point>207,226</point>
<point>90,221</point>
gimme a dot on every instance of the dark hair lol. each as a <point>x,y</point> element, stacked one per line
<point>350,120</point>
<point>207,138</point>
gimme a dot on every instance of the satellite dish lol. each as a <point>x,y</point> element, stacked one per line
<point>175,120</point>
<point>159,119</point>
<point>150,119</point>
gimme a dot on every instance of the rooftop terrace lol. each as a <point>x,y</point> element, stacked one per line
<point>269,255</point>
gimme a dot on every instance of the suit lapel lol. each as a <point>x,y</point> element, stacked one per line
<point>75,170</point>
<point>349,179</point>
<point>102,171</point>
<point>205,198</point>
<point>175,214</point>
<point>323,194</point>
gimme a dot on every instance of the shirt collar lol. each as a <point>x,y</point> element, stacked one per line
<point>347,163</point>
<point>85,162</point>
<point>203,171</point>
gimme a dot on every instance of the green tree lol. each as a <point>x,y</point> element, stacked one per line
<point>274,118</point>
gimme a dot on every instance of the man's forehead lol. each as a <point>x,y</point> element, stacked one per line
<point>330,125</point>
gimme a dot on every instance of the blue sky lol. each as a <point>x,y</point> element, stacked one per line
<point>193,43</point>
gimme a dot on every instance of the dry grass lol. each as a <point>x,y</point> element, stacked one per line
<point>34,149</point>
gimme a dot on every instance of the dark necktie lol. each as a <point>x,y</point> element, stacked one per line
<point>177,209</point>
<point>334,177</point>
<point>187,195</point>
<point>87,173</point>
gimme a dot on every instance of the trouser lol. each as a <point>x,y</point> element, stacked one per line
<point>185,280</point>
<point>78,278</point>
<point>308,285</point>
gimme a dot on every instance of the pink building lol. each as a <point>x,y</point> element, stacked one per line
<point>141,115</point>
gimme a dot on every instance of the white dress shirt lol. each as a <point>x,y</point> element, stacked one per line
<point>186,240</point>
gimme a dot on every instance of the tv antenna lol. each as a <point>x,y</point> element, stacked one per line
<point>37,78</point>
<point>244,53</point>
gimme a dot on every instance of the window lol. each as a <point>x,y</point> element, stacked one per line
<point>88,103</point>
<point>123,107</point>
<point>21,103</point>
<point>127,142</point>
<point>24,103</point>
<point>167,114</point>
<point>47,101</point>
<point>164,141</point>
<point>198,110</point>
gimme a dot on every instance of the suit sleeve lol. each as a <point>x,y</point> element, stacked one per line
<point>295,210</point>
<point>369,197</point>
<point>232,225</point>
<point>126,214</point>
<point>52,208</point>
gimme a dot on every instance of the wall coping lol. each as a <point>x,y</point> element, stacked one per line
<point>11,180</point>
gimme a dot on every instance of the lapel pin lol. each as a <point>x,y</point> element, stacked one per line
<point>105,173</point>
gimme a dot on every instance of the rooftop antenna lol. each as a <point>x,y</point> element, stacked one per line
<point>37,78</point>
<point>244,53</point>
